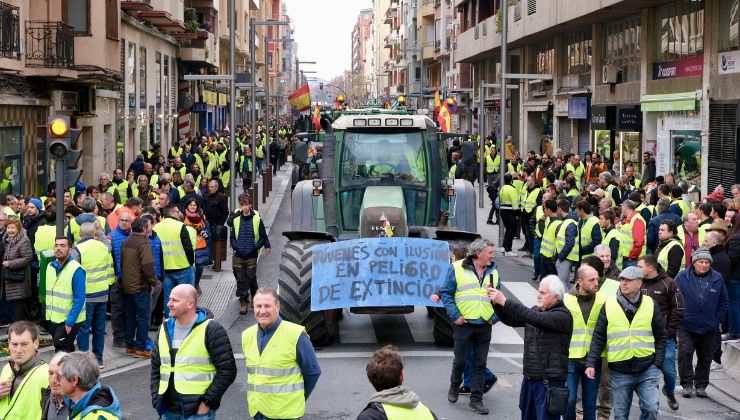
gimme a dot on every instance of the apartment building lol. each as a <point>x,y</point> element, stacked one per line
<point>361,38</point>
<point>618,77</point>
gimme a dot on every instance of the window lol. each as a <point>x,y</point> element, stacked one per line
<point>729,38</point>
<point>131,79</point>
<point>166,84</point>
<point>11,154</point>
<point>379,158</point>
<point>681,31</point>
<point>622,47</point>
<point>76,13</point>
<point>578,53</point>
<point>158,85</point>
<point>544,58</point>
<point>142,78</point>
<point>111,19</point>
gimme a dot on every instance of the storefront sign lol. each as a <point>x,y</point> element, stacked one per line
<point>578,108</point>
<point>602,118</point>
<point>686,67</point>
<point>729,62</point>
<point>630,119</point>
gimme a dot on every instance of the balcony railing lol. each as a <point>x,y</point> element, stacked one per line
<point>10,37</point>
<point>49,44</point>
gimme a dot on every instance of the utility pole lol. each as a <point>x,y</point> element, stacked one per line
<point>232,105</point>
<point>504,62</point>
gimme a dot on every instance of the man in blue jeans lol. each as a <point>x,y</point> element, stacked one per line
<point>95,257</point>
<point>630,329</point>
<point>666,295</point>
<point>137,282</point>
<point>177,252</point>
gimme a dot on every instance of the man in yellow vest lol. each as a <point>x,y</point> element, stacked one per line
<point>670,250</point>
<point>282,368</point>
<point>248,236</point>
<point>25,377</point>
<point>493,167</point>
<point>89,399</point>
<point>121,186</point>
<point>464,295</point>
<point>531,197</point>
<point>509,209</point>
<point>566,244</point>
<point>549,237</point>
<point>392,399</point>
<point>632,332</point>
<point>634,234</point>
<point>585,306</point>
<point>178,251</point>
<point>192,363</point>
<point>65,296</point>
<point>589,230</point>
<point>95,257</point>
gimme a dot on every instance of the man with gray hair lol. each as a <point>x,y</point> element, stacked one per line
<point>78,377</point>
<point>464,295</point>
<point>547,331</point>
<point>89,208</point>
<point>53,404</point>
<point>95,257</point>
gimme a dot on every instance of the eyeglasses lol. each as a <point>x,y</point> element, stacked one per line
<point>124,220</point>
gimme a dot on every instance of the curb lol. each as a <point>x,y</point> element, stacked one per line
<point>726,382</point>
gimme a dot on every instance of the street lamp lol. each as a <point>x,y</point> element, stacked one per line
<point>297,73</point>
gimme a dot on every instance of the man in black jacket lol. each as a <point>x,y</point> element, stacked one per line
<point>663,290</point>
<point>633,366</point>
<point>547,331</point>
<point>173,385</point>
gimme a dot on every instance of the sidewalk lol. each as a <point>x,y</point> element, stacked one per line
<point>218,288</point>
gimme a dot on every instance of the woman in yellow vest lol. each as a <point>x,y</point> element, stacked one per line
<point>670,252</point>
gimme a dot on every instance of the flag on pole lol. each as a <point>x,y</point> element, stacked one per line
<point>437,102</point>
<point>300,100</point>
<point>444,118</point>
<point>316,117</point>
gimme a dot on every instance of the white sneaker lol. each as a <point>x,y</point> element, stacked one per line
<point>510,254</point>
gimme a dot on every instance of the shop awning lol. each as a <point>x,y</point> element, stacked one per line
<point>684,101</point>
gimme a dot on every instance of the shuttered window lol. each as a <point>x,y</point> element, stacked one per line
<point>723,139</point>
<point>111,19</point>
<point>531,7</point>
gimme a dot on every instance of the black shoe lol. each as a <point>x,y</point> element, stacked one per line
<point>489,222</point>
<point>119,343</point>
<point>671,400</point>
<point>464,390</point>
<point>701,393</point>
<point>523,249</point>
<point>688,391</point>
<point>478,407</point>
<point>453,393</point>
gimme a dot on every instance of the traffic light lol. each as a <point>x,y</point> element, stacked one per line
<point>63,142</point>
<point>321,86</point>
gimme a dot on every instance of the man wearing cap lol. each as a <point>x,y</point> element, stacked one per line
<point>705,304</point>
<point>631,330</point>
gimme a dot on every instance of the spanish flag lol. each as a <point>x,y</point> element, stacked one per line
<point>316,117</point>
<point>444,118</point>
<point>300,100</point>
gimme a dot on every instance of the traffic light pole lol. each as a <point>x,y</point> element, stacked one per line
<point>59,167</point>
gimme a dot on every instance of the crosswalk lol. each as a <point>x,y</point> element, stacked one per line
<point>357,329</point>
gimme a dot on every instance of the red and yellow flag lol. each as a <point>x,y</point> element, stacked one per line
<point>444,118</point>
<point>300,100</point>
<point>316,117</point>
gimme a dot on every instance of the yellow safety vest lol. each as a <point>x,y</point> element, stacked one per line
<point>274,379</point>
<point>627,240</point>
<point>539,228</point>
<point>122,191</point>
<point>547,249</point>
<point>175,151</point>
<point>531,199</point>
<point>247,159</point>
<point>96,259</point>
<point>420,412</point>
<point>182,170</point>
<point>225,178</point>
<point>74,227</point>
<point>560,242</point>
<point>587,232</point>
<point>508,198</point>
<point>59,292</point>
<point>173,253</point>
<point>255,225</point>
<point>663,254</point>
<point>192,368</point>
<point>453,169</point>
<point>493,165</point>
<point>683,205</point>
<point>154,181</point>
<point>26,400</point>
<point>44,239</point>
<point>610,193</point>
<point>609,287</point>
<point>260,151</point>
<point>615,232</point>
<point>625,340</point>
<point>578,172</point>
<point>471,297</point>
<point>97,415</point>
<point>583,331</point>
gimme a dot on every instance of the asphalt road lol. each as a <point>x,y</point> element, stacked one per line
<point>343,389</point>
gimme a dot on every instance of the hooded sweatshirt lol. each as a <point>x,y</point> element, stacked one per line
<point>100,398</point>
<point>400,396</point>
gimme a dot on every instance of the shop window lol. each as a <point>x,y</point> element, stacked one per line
<point>578,53</point>
<point>686,155</point>
<point>11,154</point>
<point>681,30</point>
<point>622,47</point>
<point>729,25</point>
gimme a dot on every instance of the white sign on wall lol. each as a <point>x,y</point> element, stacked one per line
<point>729,62</point>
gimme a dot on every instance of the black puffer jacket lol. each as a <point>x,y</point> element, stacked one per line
<point>546,338</point>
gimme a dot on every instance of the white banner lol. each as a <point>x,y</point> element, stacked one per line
<point>729,62</point>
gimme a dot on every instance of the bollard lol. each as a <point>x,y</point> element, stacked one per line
<point>254,193</point>
<point>267,181</point>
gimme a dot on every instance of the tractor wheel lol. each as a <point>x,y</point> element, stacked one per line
<point>442,328</point>
<point>294,289</point>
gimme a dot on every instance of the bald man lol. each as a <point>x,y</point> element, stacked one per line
<point>194,384</point>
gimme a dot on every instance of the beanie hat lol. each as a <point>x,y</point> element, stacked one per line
<point>36,202</point>
<point>701,254</point>
<point>632,272</point>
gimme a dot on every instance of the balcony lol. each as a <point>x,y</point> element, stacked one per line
<point>49,44</point>
<point>10,38</point>
<point>200,50</point>
<point>427,8</point>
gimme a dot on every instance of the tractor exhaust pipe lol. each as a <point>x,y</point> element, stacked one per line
<point>328,187</point>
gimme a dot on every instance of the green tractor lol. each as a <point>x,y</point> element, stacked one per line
<point>376,165</point>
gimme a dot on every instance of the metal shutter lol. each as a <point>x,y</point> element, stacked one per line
<point>564,135</point>
<point>723,167</point>
<point>531,7</point>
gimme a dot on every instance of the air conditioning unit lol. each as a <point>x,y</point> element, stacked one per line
<point>609,74</point>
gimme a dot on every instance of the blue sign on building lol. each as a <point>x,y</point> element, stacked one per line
<point>578,107</point>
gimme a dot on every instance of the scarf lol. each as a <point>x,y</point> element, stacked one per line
<point>630,307</point>
<point>193,217</point>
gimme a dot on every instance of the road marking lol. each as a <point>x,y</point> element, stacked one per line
<point>523,291</point>
<point>503,334</point>
<point>356,329</point>
<point>422,328</point>
<point>411,353</point>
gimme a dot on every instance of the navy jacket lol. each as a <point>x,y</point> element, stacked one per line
<point>704,300</point>
<point>654,224</point>
<point>447,293</point>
